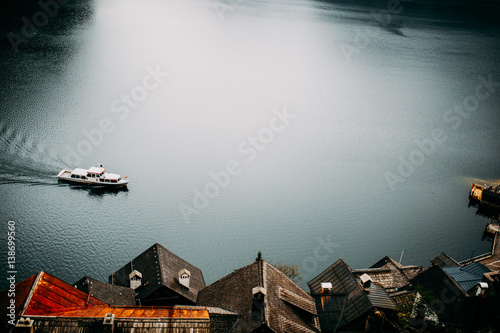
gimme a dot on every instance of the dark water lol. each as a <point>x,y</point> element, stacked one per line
<point>331,130</point>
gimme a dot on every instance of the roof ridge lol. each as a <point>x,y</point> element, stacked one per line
<point>329,267</point>
<point>30,294</point>
<point>230,274</point>
<point>284,275</point>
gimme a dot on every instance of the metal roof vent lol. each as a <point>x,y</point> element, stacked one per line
<point>326,287</point>
<point>184,277</point>
<point>258,303</point>
<point>366,281</point>
<point>135,279</point>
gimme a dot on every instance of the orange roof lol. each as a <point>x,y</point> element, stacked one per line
<point>51,295</point>
<point>21,293</point>
<point>133,312</point>
<point>48,296</point>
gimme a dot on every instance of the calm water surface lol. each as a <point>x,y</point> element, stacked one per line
<point>356,98</point>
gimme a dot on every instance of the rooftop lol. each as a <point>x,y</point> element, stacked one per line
<point>160,281</point>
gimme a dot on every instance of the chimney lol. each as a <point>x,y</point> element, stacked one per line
<point>24,324</point>
<point>184,277</point>
<point>108,323</point>
<point>258,303</point>
<point>135,279</point>
<point>326,287</point>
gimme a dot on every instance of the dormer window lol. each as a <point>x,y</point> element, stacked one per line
<point>326,287</point>
<point>135,279</point>
<point>184,277</point>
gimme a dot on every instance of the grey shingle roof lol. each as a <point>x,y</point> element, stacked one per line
<point>160,268</point>
<point>108,293</point>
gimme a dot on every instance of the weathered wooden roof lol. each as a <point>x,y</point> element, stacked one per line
<point>306,304</point>
<point>159,268</point>
<point>443,260</point>
<point>285,302</point>
<point>390,274</point>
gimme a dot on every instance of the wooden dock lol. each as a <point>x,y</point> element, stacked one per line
<point>492,261</point>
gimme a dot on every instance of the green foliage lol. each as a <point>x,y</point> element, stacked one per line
<point>259,256</point>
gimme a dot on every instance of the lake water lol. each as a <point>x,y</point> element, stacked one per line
<point>306,130</point>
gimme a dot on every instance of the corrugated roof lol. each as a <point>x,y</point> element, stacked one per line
<point>465,279</point>
<point>476,268</point>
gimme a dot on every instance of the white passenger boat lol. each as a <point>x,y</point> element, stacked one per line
<point>95,176</point>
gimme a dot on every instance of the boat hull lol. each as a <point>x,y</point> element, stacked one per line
<point>65,176</point>
<point>91,183</point>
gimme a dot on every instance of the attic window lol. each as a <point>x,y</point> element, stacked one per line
<point>135,279</point>
<point>366,281</point>
<point>184,277</point>
<point>326,287</point>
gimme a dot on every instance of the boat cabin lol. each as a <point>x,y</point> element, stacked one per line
<point>95,172</point>
<point>79,173</point>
